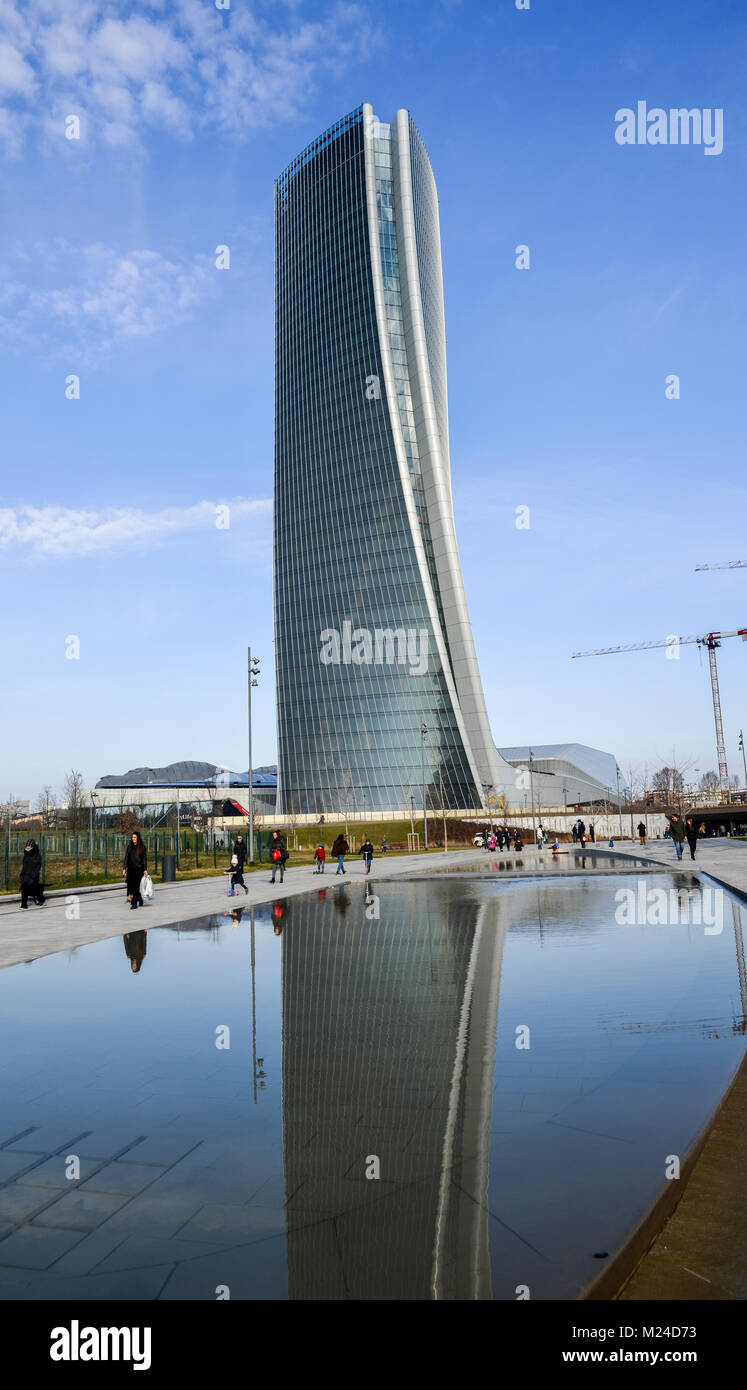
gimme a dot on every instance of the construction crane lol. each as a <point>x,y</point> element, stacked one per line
<point>727,565</point>
<point>711,641</point>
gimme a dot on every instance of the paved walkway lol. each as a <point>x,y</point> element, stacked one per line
<point>76,919</point>
<point>725,860</point>
<point>92,914</point>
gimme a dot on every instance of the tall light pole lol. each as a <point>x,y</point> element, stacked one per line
<point>412,816</point>
<point>443,808</point>
<point>744,760</point>
<point>423,735</point>
<point>531,789</point>
<point>619,802</point>
<point>90,826</point>
<point>252,673</point>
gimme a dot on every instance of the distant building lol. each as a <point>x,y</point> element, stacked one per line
<point>564,774</point>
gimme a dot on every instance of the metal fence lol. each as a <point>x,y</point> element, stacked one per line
<point>103,852</point>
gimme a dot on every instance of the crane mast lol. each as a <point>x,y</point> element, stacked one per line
<point>711,641</point>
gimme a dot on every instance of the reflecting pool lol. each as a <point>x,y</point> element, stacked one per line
<point>452,1088</point>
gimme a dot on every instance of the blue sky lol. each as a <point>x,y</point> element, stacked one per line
<point>556,374</point>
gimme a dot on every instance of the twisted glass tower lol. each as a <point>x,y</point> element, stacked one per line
<point>378,688</point>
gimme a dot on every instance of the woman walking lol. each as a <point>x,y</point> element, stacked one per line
<point>691,835</point>
<point>339,849</point>
<point>133,868</point>
<point>31,867</point>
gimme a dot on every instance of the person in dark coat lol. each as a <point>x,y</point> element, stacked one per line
<point>677,833</point>
<point>279,843</point>
<point>339,849</point>
<point>239,850</point>
<point>642,832</point>
<point>691,835</point>
<point>31,867</point>
<point>367,850</point>
<point>134,866</point>
<point>135,948</point>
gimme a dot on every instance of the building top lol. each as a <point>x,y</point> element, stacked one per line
<point>345,123</point>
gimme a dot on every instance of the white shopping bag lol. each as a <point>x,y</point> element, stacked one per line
<point>146,886</point>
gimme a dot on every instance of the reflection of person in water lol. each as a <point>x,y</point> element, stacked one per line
<point>279,916</point>
<point>135,948</point>
<point>340,899</point>
<point>236,916</point>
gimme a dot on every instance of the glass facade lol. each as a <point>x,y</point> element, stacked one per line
<point>361,646</point>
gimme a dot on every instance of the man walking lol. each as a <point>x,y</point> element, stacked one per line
<point>239,850</point>
<point>278,854</point>
<point>677,833</point>
<point>642,832</point>
<point>691,835</point>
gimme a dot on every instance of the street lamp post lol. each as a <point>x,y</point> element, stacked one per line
<point>252,673</point>
<point>744,759</point>
<point>423,734</point>
<point>412,816</point>
<point>531,789</point>
<point>619,802</point>
<point>90,826</point>
<point>443,808</point>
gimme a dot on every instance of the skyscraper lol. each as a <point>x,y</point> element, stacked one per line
<point>378,687</point>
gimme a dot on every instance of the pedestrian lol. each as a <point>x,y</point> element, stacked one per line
<point>591,832</point>
<point>237,876</point>
<point>517,841</point>
<point>540,837</point>
<point>31,867</point>
<point>383,844</point>
<point>320,855</point>
<point>574,833</point>
<point>135,945</point>
<point>492,842</point>
<point>581,830</point>
<point>691,835</point>
<point>702,830</point>
<point>677,833</point>
<point>239,850</point>
<point>278,854</point>
<point>339,849</point>
<point>134,865</point>
<point>367,850</point>
<point>642,832</point>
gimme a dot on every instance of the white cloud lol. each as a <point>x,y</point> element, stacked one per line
<point>70,533</point>
<point>181,67</point>
<point>102,297</point>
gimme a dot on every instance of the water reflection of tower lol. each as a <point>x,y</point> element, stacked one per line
<point>388,1049</point>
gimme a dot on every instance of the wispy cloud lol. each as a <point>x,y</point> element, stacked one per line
<point>174,67</point>
<point>70,533</point>
<point>98,297</point>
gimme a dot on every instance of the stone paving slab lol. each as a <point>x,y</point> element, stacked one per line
<point>40,931</point>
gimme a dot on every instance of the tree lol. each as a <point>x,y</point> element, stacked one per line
<point>47,808</point>
<point>709,782</point>
<point>125,822</point>
<point>668,779</point>
<point>72,792</point>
